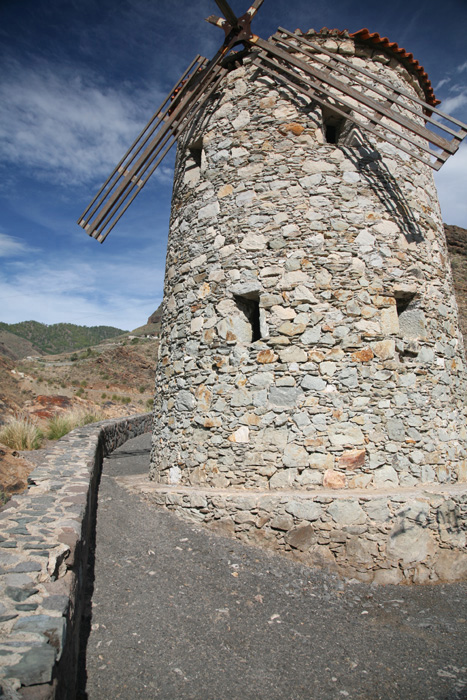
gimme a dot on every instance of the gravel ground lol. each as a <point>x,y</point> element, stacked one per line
<point>179,613</point>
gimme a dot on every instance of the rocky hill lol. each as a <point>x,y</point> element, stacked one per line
<point>457,245</point>
<point>14,347</point>
<point>59,337</point>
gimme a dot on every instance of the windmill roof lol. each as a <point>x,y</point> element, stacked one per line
<point>364,36</point>
<point>404,56</point>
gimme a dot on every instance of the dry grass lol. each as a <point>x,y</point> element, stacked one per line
<point>61,424</point>
<point>21,433</point>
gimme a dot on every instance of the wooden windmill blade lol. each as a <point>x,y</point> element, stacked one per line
<point>376,107</point>
<point>93,208</point>
<point>317,78</point>
<point>181,121</point>
<point>154,142</point>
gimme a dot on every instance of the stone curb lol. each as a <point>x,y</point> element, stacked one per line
<point>45,536</point>
<point>413,535</point>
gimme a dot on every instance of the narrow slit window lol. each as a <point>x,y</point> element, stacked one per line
<point>194,160</point>
<point>333,125</point>
<point>196,152</point>
<point>249,306</point>
<point>412,322</point>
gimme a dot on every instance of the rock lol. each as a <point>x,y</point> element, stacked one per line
<point>283,479</point>
<point>311,383</point>
<point>341,434</point>
<point>377,509</point>
<point>451,565</point>
<point>240,435</point>
<point>266,356</point>
<point>321,460</point>
<point>185,401</point>
<point>35,666</point>
<point>388,577</point>
<point>210,211</point>
<point>293,354</point>
<point>281,522</point>
<point>301,538</point>
<point>284,396</point>
<point>385,476</point>
<point>333,479</point>
<point>295,456</point>
<point>352,459</point>
<point>409,543</point>
<point>347,513</point>
<point>304,510</point>
<point>291,329</point>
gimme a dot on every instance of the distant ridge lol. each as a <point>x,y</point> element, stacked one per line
<point>57,338</point>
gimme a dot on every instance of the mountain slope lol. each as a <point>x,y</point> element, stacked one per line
<point>456,238</point>
<point>60,337</point>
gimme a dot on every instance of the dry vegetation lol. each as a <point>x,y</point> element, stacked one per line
<point>43,397</point>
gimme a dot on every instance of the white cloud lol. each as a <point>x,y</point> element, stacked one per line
<point>65,126</point>
<point>118,292</point>
<point>11,246</point>
<point>450,182</point>
<point>440,84</point>
<point>451,104</point>
<point>462,67</point>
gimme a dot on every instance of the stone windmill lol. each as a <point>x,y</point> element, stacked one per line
<point>310,380</point>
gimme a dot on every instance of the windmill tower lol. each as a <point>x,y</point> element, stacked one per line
<point>310,381</point>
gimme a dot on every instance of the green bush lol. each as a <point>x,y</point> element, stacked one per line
<point>149,404</point>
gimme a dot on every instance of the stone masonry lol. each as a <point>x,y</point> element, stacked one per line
<point>310,340</point>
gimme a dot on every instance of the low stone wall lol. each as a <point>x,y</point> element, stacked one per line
<point>410,535</point>
<point>45,537</point>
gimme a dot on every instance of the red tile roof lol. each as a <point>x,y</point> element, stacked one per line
<point>406,59</point>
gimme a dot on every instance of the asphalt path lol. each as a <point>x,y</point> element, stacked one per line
<point>179,613</point>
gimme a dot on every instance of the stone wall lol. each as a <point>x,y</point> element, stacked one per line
<point>386,536</point>
<point>45,539</point>
<point>310,336</point>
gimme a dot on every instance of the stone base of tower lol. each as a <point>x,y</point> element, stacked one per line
<point>415,535</point>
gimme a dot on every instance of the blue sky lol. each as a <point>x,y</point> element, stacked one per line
<point>80,78</point>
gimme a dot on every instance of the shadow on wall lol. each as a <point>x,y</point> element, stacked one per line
<point>377,176</point>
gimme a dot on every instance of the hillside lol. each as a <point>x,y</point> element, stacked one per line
<point>59,337</point>
<point>14,347</point>
<point>457,245</point>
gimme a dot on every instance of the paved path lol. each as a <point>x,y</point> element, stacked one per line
<point>182,614</point>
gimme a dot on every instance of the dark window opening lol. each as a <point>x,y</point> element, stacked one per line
<point>412,322</point>
<point>196,152</point>
<point>333,125</point>
<point>249,306</point>
<point>402,303</point>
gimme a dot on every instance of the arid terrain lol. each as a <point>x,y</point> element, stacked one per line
<point>111,379</point>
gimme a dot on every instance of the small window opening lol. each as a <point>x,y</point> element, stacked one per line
<point>403,303</point>
<point>412,323</point>
<point>196,151</point>
<point>333,125</point>
<point>249,306</point>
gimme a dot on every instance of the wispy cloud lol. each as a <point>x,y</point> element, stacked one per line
<point>451,104</point>
<point>64,126</point>
<point>462,67</point>
<point>442,83</point>
<point>53,291</point>
<point>12,247</point>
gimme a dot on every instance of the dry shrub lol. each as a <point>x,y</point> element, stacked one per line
<point>21,433</point>
<point>63,423</point>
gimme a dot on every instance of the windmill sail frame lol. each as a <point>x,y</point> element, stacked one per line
<point>382,114</point>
